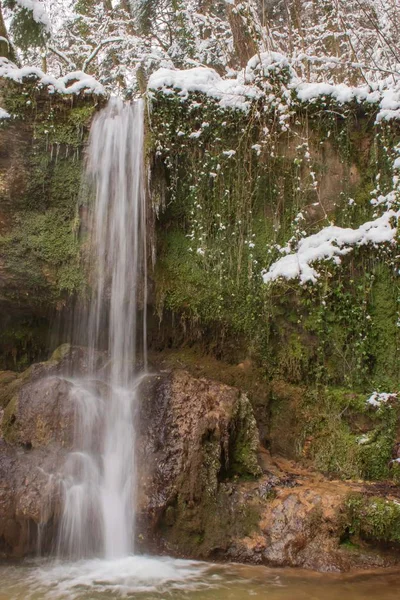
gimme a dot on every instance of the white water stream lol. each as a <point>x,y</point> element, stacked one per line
<point>99,482</point>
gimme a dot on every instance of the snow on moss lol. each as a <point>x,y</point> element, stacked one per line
<point>4,114</point>
<point>330,244</point>
<point>386,95</point>
<point>378,398</point>
<point>253,83</point>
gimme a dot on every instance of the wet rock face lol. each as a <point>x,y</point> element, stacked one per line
<point>36,431</point>
<point>195,434</point>
<point>40,414</point>
<point>29,496</point>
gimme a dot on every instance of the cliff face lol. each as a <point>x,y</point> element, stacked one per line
<point>241,192</point>
<point>41,161</point>
<point>283,364</point>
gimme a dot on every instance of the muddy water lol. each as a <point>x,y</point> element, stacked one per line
<point>145,578</point>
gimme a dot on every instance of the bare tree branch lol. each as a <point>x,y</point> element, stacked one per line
<point>63,57</point>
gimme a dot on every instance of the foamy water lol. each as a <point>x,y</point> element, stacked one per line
<point>152,578</point>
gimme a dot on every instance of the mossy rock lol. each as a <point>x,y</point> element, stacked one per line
<point>61,353</point>
<point>209,528</point>
<point>373,519</point>
<point>334,429</point>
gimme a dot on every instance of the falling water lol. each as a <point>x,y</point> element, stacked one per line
<point>98,510</point>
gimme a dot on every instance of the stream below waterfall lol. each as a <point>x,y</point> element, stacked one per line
<point>149,578</point>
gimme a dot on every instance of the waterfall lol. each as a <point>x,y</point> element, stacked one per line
<point>99,478</point>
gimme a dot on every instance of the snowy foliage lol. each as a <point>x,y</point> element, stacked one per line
<point>38,11</point>
<point>334,41</point>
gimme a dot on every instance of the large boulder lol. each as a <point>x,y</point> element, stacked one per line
<point>197,436</point>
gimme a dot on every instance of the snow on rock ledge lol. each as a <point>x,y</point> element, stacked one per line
<point>387,98</point>
<point>81,82</point>
<point>329,244</point>
<point>231,93</point>
<point>252,84</point>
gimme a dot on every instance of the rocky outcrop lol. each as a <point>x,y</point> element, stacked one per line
<point>303,522</point>
<point>206,488</point>
<point>204,495</point>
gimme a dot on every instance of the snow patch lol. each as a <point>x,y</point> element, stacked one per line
<point>4,114</point>
<point>378,398</point>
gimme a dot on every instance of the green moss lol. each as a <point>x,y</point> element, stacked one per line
<point>373,519</point>
<point>8,426</point>
<point>60,353</point>
<point>244,442</point>
<point>376,454</point>
<point>41,251</point>
<point>207,528</point>
<point>385,335</point>
<point>70,131</point>
<point>335,429</point>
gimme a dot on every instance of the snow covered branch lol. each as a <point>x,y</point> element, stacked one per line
<point>95,52</point>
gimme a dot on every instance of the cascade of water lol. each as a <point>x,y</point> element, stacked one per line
<point>98,510</point>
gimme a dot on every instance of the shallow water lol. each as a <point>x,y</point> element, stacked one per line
<point>149,578</point>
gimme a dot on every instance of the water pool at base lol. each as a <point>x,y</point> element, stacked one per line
<point>150,578</point>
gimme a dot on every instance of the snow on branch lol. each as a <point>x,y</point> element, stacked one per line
<point>63,57</point>
<point>38,12</point>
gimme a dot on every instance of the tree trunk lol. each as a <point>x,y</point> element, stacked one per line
<point>6,48</point>
<point>244,42</point>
